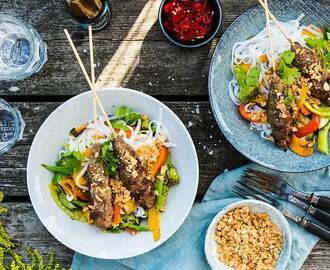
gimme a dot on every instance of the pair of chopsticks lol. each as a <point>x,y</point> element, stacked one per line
<point>91,83</point>
<point>264,4</point>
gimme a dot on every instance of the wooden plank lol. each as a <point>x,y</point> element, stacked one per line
<point>160,67</point>
<point>214,152</point>
<point>25,229</point>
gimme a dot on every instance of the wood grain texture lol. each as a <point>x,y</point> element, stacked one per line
<point>25,229</point>
<point>161,68</point>
<point>214,152</point>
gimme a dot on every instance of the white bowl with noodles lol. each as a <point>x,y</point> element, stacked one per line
<point>79,236</point>
<point>210,245</point>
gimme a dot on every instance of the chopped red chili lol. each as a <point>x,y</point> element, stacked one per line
<point>188,20</point>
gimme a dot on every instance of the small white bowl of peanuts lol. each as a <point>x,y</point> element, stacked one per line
<point>248,234</point>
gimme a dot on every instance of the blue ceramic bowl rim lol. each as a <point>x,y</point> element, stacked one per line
<point>217,3</point>
<point>219,119</point>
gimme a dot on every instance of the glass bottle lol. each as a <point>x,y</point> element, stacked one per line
<point>96,13</point>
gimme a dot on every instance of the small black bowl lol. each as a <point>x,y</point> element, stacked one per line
<point>214,4</point>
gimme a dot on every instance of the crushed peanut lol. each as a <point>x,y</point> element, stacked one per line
<point>248,240</point>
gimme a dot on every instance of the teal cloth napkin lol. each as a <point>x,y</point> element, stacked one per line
<point>185,249</point>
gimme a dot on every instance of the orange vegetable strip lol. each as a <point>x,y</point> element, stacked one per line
<point>161,160</point>
<point>116,214</point>
<point>295,146</point>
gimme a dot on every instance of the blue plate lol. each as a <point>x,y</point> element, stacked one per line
<point>237,130</point>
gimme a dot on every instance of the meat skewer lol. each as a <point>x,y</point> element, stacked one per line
<point>309,65</point>
<point>278,114</point>
<point>133,175</point>
<point>101,210</point>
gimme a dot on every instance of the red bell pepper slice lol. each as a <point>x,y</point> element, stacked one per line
<point>312,126</point>
<point>248,116</point>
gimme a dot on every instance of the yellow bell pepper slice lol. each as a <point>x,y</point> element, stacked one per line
<point>154,222</point>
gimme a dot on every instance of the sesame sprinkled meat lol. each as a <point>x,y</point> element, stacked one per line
<point>311,68</point>
<point>101,209</point>
<point>133,174</point>
<point>279,116</point>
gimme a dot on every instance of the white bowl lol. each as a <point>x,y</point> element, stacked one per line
<point>256,206</point>
<point>82,237</point>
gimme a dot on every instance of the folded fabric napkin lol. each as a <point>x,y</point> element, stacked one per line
<point>185,249</point>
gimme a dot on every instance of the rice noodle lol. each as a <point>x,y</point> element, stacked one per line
<point>250,51</point>
<point>80,174</point>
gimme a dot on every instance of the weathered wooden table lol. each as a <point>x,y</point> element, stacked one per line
<point>137,56</point>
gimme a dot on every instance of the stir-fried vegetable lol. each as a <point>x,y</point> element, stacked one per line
<point>321,46</point>
<point>321,110</point>
<point>297,145</point>
<point>311,127</point>
<point>75,214</point>
<point>161,160</point>
<point>248,82</point>
<point>257,117</point>
<point>154,222</point>
<point>286,70</point>
<point>109,158</point>
<point>322,139</point>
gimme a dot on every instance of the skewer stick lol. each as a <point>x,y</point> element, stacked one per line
<point>276,22</point>
<point>92,87</point>
<point>91,53</point>
<point>269,35</point>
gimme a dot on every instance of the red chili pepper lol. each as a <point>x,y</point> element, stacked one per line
<point>185,24</point>
<point>312,126</point>
<point>188,19</point>
<point>207,18</point>
<point>199,17</point>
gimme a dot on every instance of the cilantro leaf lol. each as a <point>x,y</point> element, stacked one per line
<point>287,72</point>
<point>127,114</point>
<point>248,82</point>
<point>109,158</point>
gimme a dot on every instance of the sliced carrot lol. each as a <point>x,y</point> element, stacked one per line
<point>305,111</point>
<point>70,187</point>
<point>161,160</point>
<point>263,58</point>
<point>116,214</point>
<point>306,32</point>
<point>303,96</point>
<point>87,153</point>
<point>246,67</point>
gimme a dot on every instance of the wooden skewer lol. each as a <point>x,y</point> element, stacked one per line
<point>92,87</point>
<point>276,22</point>
<point>270,35</point>
<point>91,53</point>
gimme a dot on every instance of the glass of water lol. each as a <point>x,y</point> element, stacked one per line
<point>22,51</point>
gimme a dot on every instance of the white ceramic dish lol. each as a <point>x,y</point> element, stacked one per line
<point>82,237</point>
<point>258,207</point>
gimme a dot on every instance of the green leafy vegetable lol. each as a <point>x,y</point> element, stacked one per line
<point>288,100</point>
<point>75,214</point>
<point>110,159</point>
<point>248,83</point>
<point>127,114</point>
<point>286,70</point>
<point>321,46</point>
<point>58,177</point>
<point>119,124</point>
<point>68,164</point>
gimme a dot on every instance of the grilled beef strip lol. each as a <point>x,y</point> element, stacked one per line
<point>311,67</point>
<point>133,174</point>
<point>279,115</point>
<point>101,209</point>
